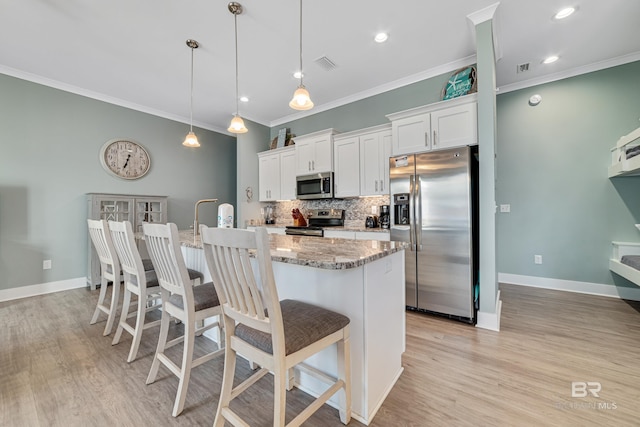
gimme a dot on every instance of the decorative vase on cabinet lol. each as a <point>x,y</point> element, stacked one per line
<point>121,207</point>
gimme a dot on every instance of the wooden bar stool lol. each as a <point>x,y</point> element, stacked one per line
<point>181,300</point>
<point>109,272</point>
<point>276,335</point>
<point>139,281</point>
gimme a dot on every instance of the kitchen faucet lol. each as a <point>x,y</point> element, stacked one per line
<point>195,221</point>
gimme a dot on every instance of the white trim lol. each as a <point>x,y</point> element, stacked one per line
<point>590,68</point>
<point>490,321</point>
<point>34,78</point>
<point>433,72</point>
<point>484,14</point>
<point>571,286</point>
<point>42,288</point>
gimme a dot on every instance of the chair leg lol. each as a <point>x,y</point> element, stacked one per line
<point>185,370</point>
<point>280,381</point>
<point>101,297</point>
<point>126,301</point>
<point>115,297</point>
<point>162,341</point>
<point>228,375</point>
<point>137,331</point>
<point>344,373</point>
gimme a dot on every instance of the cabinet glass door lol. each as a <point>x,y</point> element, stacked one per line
<point>113,210</point>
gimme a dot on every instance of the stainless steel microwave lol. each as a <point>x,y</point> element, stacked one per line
<point>315,186</point>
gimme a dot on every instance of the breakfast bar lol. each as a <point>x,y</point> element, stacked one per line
<point>363,280</point>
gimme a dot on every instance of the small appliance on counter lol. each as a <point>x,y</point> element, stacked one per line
<point>318,219</point>
<point>269,215</point>
<point>385,217</point>
<point>225,216</point>
<point>371,221</point>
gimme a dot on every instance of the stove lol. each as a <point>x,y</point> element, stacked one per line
<point>318,219</point>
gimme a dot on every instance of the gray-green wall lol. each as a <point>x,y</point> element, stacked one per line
<point>552,170</point>
<point>49,146</point>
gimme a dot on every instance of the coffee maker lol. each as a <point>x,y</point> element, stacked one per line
<point>385,216</point>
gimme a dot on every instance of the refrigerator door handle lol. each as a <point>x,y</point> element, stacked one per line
<point>417,224</point>
<point>412,217</point>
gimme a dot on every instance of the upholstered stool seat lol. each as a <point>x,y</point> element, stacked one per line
<point>303,323</point>
<point>204,296</point>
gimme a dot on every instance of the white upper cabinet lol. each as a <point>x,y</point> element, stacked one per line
<point>347,167</point>
<point>288,174</point>
<point>314,152</point>
<point>412,134</point>
<point>361,160</point>
<point>375,150</point>
<point>445,124</point>
<point>454,126</point>
<point>277,175</point>
<point>269,176</point>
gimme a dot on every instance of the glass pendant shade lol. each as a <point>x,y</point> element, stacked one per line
<point>301,99</point>
<point>191,140</point>
<point>237,125</point>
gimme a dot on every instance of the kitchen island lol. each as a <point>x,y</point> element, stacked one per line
<point>363,280</point>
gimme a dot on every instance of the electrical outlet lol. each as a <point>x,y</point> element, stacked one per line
<point>505,208</point>
<point>537,259</point>
<point>46,264</point>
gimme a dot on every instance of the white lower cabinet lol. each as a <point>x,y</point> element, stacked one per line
<point>373,235</point>
<point>357,235</point>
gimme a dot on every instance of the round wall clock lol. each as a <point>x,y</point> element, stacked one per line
<point>125,158</point>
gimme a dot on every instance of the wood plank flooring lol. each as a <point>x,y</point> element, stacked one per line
<point>57,370</point>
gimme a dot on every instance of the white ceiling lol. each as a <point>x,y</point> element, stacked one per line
<point>133,53</point>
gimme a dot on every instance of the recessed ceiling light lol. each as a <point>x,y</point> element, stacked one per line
<point>381,37</point>
<point>298,75</point>
<point>550,60</point>
<point>244,99</point>
<point>564,12</point>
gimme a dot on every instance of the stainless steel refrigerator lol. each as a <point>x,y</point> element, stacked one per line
<point>434,197</point>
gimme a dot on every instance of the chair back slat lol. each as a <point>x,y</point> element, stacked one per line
<point>243,298</point>
<point>101,238</point>
<point>125,245</point>
<point>163,245</point>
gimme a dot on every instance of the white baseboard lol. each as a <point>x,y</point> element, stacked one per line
<point>42,288</point>
<point>490,321</point>
<point>571,286</point>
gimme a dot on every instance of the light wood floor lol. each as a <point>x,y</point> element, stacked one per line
<point>57,370</point>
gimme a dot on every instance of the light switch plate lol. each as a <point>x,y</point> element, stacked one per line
<point>505,208</point>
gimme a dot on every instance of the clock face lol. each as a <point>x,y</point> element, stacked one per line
<point>125,159</point>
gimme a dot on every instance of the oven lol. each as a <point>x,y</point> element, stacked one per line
<point>318,220</point>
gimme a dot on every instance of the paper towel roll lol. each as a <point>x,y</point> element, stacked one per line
<point>225,216</point>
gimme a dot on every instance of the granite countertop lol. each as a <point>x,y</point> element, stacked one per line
<point>349,226</point>
<point>318,252</point>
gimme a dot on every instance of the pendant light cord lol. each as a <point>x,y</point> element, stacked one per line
<point>301,43</point>
<point>235,23</point>
<point>191,100</point>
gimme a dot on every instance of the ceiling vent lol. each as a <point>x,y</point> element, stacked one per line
<point>325,63</point>
<point>522,68</point>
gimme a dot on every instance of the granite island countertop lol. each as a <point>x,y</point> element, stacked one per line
<point>348,226</point>
<point>318,252</point>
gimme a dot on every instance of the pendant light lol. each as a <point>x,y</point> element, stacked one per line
<point>301,99</point>
<point>237,124</point>
<point>191,140</point>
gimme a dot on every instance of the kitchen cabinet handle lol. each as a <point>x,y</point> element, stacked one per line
<point>313,164</point>
<point>434,138</point>
<point>426,139</point>
<point>309,168</point>
<point>376,185</point>
<point>382,185</point>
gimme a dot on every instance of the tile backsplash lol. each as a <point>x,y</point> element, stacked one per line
<point>355,210</point>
